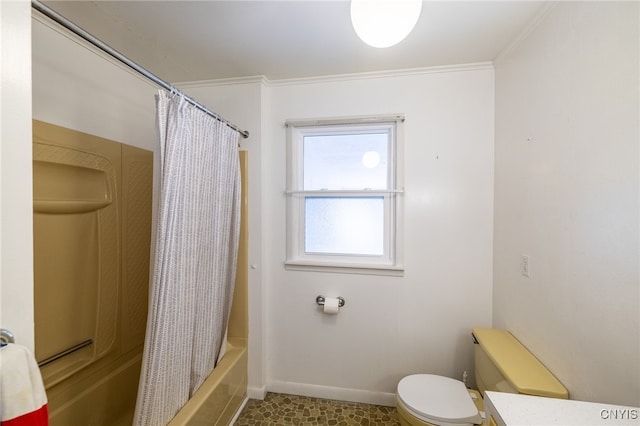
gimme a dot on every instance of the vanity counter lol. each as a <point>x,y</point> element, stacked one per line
<point>507,409</point>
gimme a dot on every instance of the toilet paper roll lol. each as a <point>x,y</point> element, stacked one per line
<point>331,306</point>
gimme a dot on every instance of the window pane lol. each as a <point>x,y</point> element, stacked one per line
<point>344,225</point>
<point>347,162</point>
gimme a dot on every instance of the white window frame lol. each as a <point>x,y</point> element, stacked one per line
<point>391,262</point>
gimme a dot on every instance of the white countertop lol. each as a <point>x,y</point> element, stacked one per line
<point>510,409</point>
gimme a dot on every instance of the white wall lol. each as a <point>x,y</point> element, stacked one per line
<point>76,86</point>
<point>390,326</point>
<point>16,218</point>
<point>569,197</point>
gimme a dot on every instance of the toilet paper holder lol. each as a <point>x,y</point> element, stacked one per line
<point>320,301</point>
<point>6,336</point>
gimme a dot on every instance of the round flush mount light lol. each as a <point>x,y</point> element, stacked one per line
<point>383,23</point>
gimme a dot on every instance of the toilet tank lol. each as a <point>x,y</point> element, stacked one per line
<point>503,364</point>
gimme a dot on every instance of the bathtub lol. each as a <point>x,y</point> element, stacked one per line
<point>222,394</point>
<point>102,242</point>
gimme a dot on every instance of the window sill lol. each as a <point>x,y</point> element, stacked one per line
<point>387,270</point>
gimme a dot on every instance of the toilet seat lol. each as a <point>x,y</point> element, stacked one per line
<point>438,400</point>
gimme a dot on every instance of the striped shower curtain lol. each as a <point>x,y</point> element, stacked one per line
<point>195,242</point>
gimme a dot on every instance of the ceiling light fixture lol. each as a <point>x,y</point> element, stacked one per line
<point>383,23</point>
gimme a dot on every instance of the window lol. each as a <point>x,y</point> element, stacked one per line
<point>344,195</point>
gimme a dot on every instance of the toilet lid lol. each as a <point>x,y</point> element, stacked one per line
<point>438,398</point>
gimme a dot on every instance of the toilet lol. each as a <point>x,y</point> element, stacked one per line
<point>502,364</point>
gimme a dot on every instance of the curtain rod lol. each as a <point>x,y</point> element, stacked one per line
<point>55,16</point>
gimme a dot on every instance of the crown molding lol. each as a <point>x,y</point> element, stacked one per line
<point>384,74</point>
<point>261,79</point>
<point>223,82</point>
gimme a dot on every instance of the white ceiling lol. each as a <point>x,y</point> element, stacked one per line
<point>183,41</point>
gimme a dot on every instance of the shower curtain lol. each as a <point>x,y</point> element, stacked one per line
<point>195,242</point>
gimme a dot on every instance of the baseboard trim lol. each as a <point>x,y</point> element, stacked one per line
<point>331,392</point>
<point>256,393</point>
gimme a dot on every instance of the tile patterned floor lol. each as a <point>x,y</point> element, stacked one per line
<point>284,410</point>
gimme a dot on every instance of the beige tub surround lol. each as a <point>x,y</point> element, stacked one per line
<point>92,227</point>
